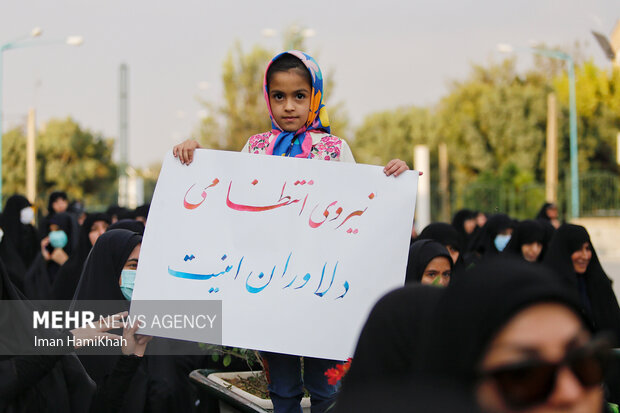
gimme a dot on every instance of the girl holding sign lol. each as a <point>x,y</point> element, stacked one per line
<point>293,89</point>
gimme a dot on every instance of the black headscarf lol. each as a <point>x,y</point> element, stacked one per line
<point>102,270</point>
<point>53,197</point>
<point>388,359</point>
<point>41,275</point>
<point>443,233</point>
<point>549,231</point>
<point>420,254</point>
<point>129,224</point>
<point>410,395</point>
<point>526,232</point>
<point>37,384</point>
<point>476,307</point>
<point>458,222</point>
<point>68,275</point>
<point>597,296</point>
<point>22,237</point>
<point>390,345</point>
<point>160,380</point>
<point>542,213</point>
<point>69,225</point>
<point>142,211</point>
<point>484,241</point>
<point>99,281</point>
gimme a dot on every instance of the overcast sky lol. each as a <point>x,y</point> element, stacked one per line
<point>383,54</point>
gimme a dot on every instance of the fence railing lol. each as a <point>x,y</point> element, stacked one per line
<point>599,193</point>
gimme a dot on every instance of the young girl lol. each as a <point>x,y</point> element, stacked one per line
<point>293,88</point>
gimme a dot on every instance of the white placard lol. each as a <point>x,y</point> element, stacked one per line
<point>297,250</point>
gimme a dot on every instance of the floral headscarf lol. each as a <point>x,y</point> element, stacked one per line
<point>317,117</point>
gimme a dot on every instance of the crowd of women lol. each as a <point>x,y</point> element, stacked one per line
<point>76,256</point>
<point>526,322</point>
<point>496,315</point>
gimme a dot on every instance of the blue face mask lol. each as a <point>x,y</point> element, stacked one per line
<point>128,277</point>
<point>501,241</point>
<point>58,239</point>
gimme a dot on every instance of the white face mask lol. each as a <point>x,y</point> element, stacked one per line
<point>1,234</point>
<point>26,216</point>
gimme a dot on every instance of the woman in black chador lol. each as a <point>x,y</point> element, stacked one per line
<point>161,383</point>
<point>513,334</point>
<point>56,249</point>
<point>68,275</point>
<point>572,255</point>
<point>527,241</point>
<point>20,242</point>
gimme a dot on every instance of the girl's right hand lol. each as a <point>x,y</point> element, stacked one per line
<point>185,151</point>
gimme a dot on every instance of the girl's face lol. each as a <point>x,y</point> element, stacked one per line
<point>437,272</point>
<point>96,230</point>
<point>289,98</point>
<point>581,258</point>
<point>469,225</point>
<point>531,251</point>
<point>523,350</point>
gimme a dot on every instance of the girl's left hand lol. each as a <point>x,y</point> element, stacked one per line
<point>395,167</point>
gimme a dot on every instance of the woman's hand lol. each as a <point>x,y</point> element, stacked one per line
<point>59,256</point>
<point>134,343</point>
<point>44,243</point>
<point>185,151</point>
<point>100,329</point>
<point>395,167</point>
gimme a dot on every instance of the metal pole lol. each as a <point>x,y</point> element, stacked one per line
<point>421,162</point>
<point>123,135</point>
<point>551,170</point>
<point>574,161</point>
<point>31,175</point>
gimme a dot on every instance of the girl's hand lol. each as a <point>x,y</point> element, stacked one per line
<point>395,167</point>
<point>185,151</point>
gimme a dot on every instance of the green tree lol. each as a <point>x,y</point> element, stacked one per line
<point>392,134</point>
<point>598,116</point>
<point>13,163</point>
<point>77,161</point>
<point>495,120</point>
<point>68,158</point>
<point>243,112</point>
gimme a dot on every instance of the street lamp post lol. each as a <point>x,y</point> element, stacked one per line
<point>22,42</point>
<point>574,160</point>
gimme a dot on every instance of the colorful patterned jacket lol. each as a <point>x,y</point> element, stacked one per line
<point>324,146</point>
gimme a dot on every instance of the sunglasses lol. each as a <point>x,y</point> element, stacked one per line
<point>528,383</point>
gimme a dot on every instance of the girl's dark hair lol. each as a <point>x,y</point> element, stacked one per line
<point>285,63</point>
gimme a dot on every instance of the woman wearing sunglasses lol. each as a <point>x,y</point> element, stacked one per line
<point>514,335</point>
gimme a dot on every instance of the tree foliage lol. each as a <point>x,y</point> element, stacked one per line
<point>68,157</point>
<point>494,124</point>
<point>598,116</point>
<point>392,134</point>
